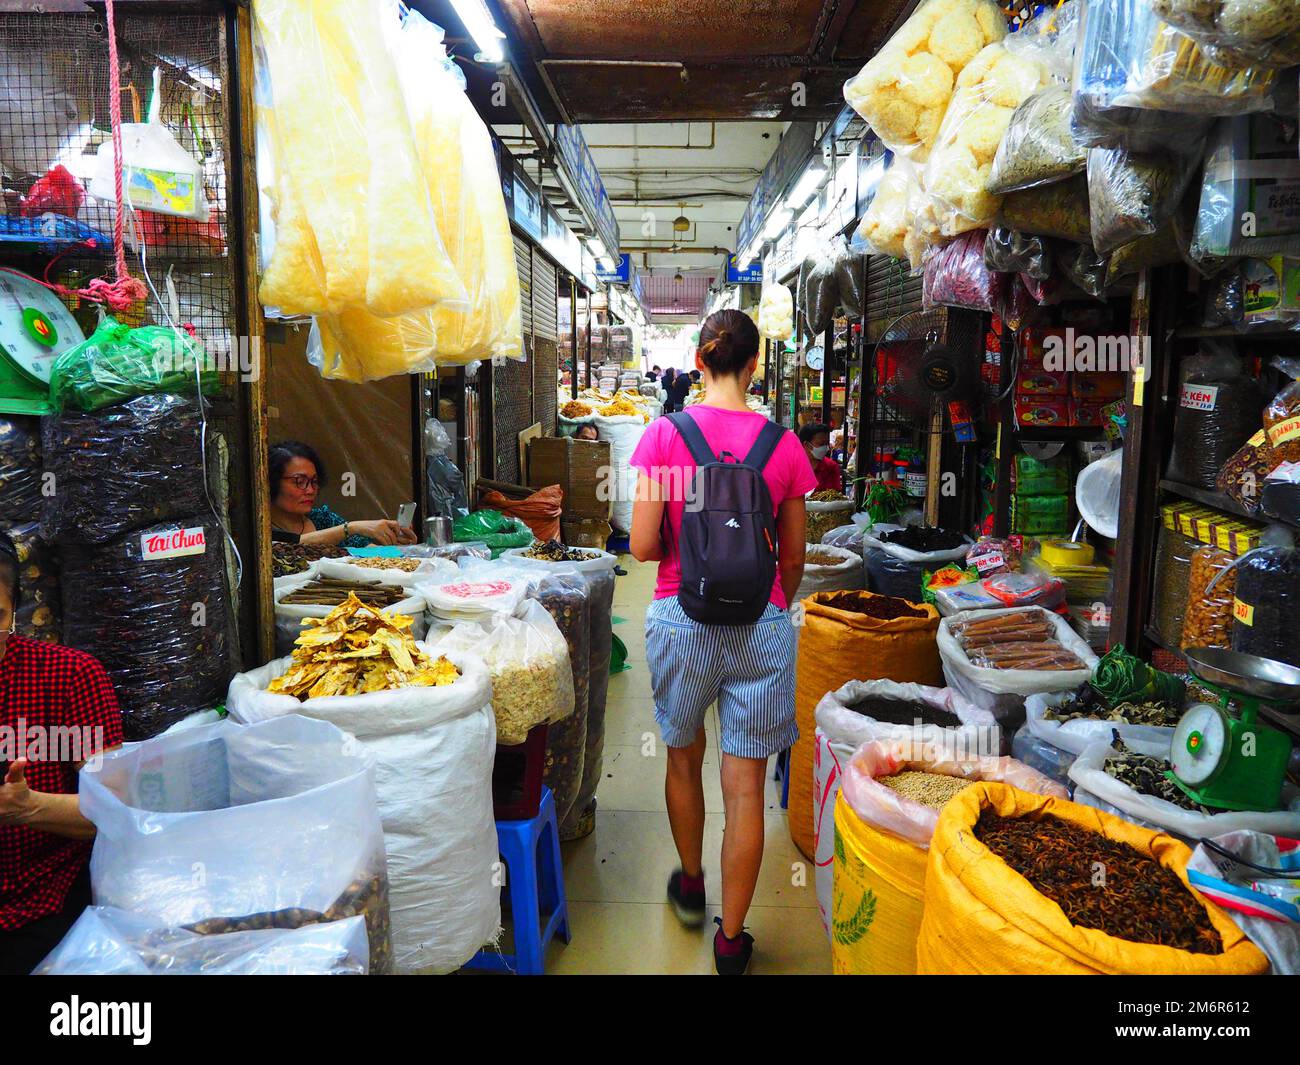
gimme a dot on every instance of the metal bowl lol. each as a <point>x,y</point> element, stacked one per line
<point>1275,682</point>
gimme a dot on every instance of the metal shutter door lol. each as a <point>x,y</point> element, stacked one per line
<point>545,315</point>
<point>890,293</point>
<point>524,263</point>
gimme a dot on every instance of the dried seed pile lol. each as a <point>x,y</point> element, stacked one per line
<point>930,789</point>
<point>881,607</point>
<point>1139,900</point>
<point>406,565</point>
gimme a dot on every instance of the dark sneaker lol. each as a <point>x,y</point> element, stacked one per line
<point>731,957</point>
<point>687,900</point>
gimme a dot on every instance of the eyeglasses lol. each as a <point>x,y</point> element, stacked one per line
<point>302,482</point>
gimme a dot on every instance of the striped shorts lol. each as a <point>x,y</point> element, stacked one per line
<point>747,669</point>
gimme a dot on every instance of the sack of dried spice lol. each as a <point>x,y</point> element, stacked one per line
<point>1038,148</point>
<point>1185,818</point>
<point>957,276</point>
<point>1220,406</point>
<point>890,801</point>
<point>998,850</point>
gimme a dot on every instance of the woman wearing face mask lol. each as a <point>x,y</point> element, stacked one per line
<point>816,440</point>
<point>62,700</point>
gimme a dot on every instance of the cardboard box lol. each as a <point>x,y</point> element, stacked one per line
<point>1102,387</point>
<point>1086,412</point>
<point>579,467</point>
<point>586,532</point>
<point>1041,383</point>
<point>1042,411</point>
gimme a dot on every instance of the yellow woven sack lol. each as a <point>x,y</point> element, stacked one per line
<point>982,917</point>
<point>878,899</point>
<point>837,644</point>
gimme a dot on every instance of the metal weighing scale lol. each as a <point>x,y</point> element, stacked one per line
<point>35,329</point>
<point>1233,762</point>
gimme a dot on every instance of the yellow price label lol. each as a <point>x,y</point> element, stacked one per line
<point>1243,612</point>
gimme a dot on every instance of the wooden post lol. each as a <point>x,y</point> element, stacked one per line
<point>258,568</point>
<point>933,467</point>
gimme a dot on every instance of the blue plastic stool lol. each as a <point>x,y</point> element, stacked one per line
<point>535,882</point>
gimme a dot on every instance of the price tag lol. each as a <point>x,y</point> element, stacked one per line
<point>1243,612</point>
<point>1199,397</point>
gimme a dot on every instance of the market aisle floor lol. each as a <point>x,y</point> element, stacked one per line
<point>616,877</point>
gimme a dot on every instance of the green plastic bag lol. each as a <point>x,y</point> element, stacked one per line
<point>493,528</point>
<point>116,364</point>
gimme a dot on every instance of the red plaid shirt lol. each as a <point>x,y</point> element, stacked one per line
<point>55,690</point>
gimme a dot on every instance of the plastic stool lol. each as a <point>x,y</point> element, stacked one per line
<point>535,882</point>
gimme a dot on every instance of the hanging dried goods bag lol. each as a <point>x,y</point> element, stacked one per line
<point>1132,195</point>
<point>151,606</point>
<point>1056,210</point>
<point>846,636</point>
<point>1038,147</point>
<point>987,914</point>
<point>1238,33</point>
<point>957,276</point>
<point>1220,406</point>
<point>1009,252</point>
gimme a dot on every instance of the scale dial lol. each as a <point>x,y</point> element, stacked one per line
<point>1200,743</point>
<point>35,327</point>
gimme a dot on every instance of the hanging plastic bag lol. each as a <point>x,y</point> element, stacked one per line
<point>1131,195</point>
<point>1006,251</point>
<point>193,800</point>
<point>116,363</point>
<point>105,941</point>
<point>1038,147</point>
<point>1083,268</point>
<point>904,90</point>
<point>851,279</point>
<point>884,225</point>
<point>1238,33</point>
<point>820,289</point>
<point>1056,210</point>
<point>1109,44</point>
<point>988,92</point>
<point>957,276</point>
<point>338,123</point>
<point>776,312</point>
<point>1162,248</point>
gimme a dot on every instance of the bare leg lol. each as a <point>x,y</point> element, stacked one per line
<point>684,795</point>
<point>743,780</point>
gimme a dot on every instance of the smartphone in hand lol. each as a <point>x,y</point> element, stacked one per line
<point>406,515</point>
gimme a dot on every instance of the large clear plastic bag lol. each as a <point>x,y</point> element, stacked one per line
<point>20,468</point>
<point>1107,39</point>
<point>1038,147</point>
<point>1132,195</point>
<point>884,225</point>
<point>776,312</point>
<point>987,93</point>
<point>1161,248</point>
<point>528,661</point>
<point>444,483</point>
<point>1220,407</point>
<point>1083,268</point>
<point>152,607</point>
<point>820,288</point>
<point>106,941</point>
<point>354,223</point>
<point>851,279</point>
<point>1056,210</point>
<point>1251,170</point>
<point>903,91</point>
<point>1010,252</point>
<point>957,276</point>
<point>1238,33</point>
<point>95,496</point>
<point>230,828</point>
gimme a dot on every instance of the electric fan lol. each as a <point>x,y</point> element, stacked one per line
<point>927,372</point>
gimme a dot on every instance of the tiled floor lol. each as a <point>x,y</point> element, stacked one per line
<point>615,878</point>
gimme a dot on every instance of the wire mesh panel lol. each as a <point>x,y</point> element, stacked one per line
<point>512,413</point>
<point>55,114</point>
<point>546,359</point>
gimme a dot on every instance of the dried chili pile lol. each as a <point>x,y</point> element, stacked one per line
<point>1101,883</point>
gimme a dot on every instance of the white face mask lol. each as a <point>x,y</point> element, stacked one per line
<point>820,452</point>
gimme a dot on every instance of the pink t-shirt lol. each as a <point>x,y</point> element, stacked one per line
<point>663,455</point>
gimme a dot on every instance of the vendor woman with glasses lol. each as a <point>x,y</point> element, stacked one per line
<point>296,518</point>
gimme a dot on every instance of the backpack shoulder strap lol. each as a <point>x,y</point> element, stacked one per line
<point>765,445</point>
<point>694,438</point>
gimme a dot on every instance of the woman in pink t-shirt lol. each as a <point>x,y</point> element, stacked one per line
<point>747,669</point>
